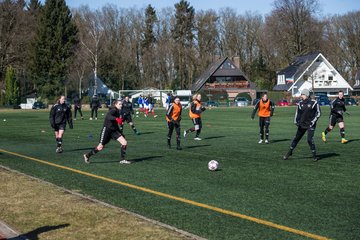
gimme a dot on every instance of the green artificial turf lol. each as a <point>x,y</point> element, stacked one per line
<point>321,198</point>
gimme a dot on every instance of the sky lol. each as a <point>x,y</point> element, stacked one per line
<point>262,7</point>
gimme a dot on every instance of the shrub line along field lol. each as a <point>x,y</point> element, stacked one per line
<point>279,199</point>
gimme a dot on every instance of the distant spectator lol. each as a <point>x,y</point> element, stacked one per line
<point>77,107</point>
<point>94,105</point>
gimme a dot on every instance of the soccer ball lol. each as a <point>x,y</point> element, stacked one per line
<point>213,165</point>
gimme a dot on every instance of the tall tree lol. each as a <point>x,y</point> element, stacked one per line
<point>183,35</point>
<point>53,48</point>
<point>148,45</point>
<point>342,45</point>
<point>292,28</point>
<point>207,38</point>
<point>11,87</point>
<point>91,36</point>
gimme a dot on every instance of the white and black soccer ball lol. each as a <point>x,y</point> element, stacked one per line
<point>213,165</point>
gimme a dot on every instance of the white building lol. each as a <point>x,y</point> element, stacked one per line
<point>313,72</point>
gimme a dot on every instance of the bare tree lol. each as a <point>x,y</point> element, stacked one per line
<point>292,28</point>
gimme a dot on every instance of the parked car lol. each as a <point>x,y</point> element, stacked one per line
<point>38,105</point>
<point>323,100</point>
<point>295,102</point>
<point>283,103</point>
<point>212,104</point>
<point>351,101</point>
<point>241,102</point>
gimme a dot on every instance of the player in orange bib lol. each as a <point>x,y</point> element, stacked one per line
<point>196,108</point>
<point>173,118</point>
<point>266,110</point>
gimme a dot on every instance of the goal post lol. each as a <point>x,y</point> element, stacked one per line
<point>159,95</point>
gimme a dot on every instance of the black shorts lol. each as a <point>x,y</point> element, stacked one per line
<point>60,126</point>
<point>333,119</point>
<point>197,121</point>
<point>107,134</point>
<point>127,118</point>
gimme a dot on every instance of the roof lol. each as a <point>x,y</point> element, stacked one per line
<point>298,66</point>
<point>207,74</point>
<point>224,67</point>
<point>282,87</point>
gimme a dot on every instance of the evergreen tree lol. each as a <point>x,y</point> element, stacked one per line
<point>53,48</point>
<point>183,35</point>
<point>150,20</point>
<point>11,87</point>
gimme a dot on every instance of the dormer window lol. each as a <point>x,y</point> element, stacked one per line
<point>281,79</point>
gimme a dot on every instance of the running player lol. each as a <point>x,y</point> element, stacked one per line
<point>173,118</point>
<point>266,110</point>
<point>195,111</point>
<point>151,106</point>
<point>126,112</point>
<point>111,130</point>
<point>337,109</point>
<point>60,113</point>
<point>306,116</point>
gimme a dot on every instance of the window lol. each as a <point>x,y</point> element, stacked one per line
<point>330,78</point>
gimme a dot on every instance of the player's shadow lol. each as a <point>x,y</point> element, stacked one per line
<point>279,140</point>
<point>353,140</point>
<point>34,234</point>
<point>80,149</point>
<point>135,160</point>
<point>327,155</point>
<point>145,133</point>
<point>214,137</point>
<point>198,146</point>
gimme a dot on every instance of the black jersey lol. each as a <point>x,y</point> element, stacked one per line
<point>95,103</point>
<point>127,108</point>
<point>110,119</point>
<point>307,113</point>
<point>337,107</point>
<point>60,114</point>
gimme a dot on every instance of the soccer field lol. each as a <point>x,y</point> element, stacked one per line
<point>254,195</point>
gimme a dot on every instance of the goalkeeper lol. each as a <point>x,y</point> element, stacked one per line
<point>110,131</point>
<point>195,112</point>
<point>337,109</point>
<point>173,118</point>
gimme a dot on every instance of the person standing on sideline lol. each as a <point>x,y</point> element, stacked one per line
<point>306,116</point>
<point>266,110</point>
<point>110,131</point>
<point>60,113</point>
<point>196,109</point>
<point>173,118</point>
<point>126,111</point>
<point>337,109</point>
<point>94,105</point>
<point>77,107</point>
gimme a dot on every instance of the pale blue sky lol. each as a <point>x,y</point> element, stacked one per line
<point>258,6</point>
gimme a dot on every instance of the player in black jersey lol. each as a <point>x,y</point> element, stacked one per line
<point>337,110</point>
<point>60,113</point>
<point>110,131</point>
<point>306,116</point>
<point>126,112</point>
